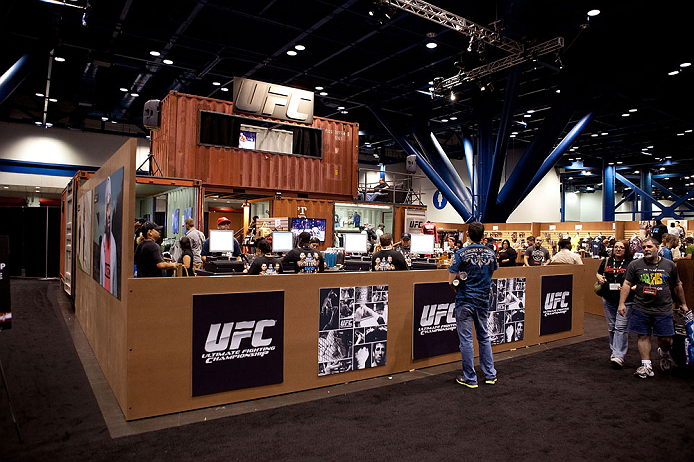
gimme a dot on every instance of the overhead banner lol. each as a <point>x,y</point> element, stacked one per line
<point>434,316</point>
<point>5,299</point>
<point>353,328</point>
<point>555,313</point>
<point>238,341</point>
<point>414,219</point>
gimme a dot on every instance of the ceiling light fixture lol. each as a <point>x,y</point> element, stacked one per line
<point>594,135</point>
<point>224,89</point>
<point>339,108</point>
<point>452,96</point>
<point>154,53</point>
<point>38,123</point>
<point>633,110</point>
<point>40,95</point>
<point>455,118</point>
<point>626,114</point>
<point>512,136</point>
<point>444,120</point>
<point>604,133</point>
<point>619,162</point>
<point>431,45</point>
<point>59,59</point>
<point>319,88</point>
<point>688,131</point>
<point>530,111</point>
<point>291,53</point>
<point>344,112</point>
<point>105,119</point>
<point>680,134</point>
<point>114,122</point>
<point>49,125</point>
<point>323,93</point>
<point>123,89</point>
<point>135,95</point>
<point>52,100</point>
<point>299,47</point>
<point>527,115</point>
<point>685,64</point>
<point>649,147</point>
<point>167,61</point>
<point>673,73</point>
<point>216,84</point>
<point>636,171</point>
<point>558,91</point>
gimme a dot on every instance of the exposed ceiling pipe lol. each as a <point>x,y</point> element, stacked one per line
<point>48,88</point>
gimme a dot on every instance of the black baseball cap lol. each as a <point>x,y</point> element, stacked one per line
<point>406,236</point>
<point>151,225</point>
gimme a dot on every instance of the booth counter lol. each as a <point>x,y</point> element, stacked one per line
<point>151,363</point>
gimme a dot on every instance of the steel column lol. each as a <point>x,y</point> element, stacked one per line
<point>647,191</point>
<point>608,207</point>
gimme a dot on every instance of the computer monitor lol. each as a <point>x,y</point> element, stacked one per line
<point>282,241</point>
<point>221,240</point>
<point>422,244</point>
<point>356,243</point>
<point>314,226</point>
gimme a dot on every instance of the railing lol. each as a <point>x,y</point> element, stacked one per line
<point>401,188</point>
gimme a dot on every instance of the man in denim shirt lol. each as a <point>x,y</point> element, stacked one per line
<point>473,267</point>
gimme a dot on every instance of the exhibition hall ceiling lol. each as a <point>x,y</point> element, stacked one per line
<point>628,65</point>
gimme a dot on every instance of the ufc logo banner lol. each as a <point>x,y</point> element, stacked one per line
<point>555,304</point>
<point>238,341</point>
<point>434,329</point>
<point>276,101</point>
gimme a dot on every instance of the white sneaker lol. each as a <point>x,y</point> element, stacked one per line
<point>617,363</point>
<point>644,372</point>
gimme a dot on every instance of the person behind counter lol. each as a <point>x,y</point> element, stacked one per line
<point>148,257</point>
<point>535,254</point>
<point>187,258</point>
<point>689,248</point>
<point>388,259</point>
<point>314,243</point>
<point>507,255</point>
<point>305,258</point>
<point>264,264</point>
<point>565,256</point>
<point>223,223</point>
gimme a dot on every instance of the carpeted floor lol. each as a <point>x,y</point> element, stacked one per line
<point>563,403</point>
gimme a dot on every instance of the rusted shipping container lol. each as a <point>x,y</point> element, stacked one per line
<point>177,149</point>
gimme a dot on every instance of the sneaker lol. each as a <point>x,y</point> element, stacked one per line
<point>462,381</point>
<point>666,362</point>
<point>617,363</point>
<point>643,372</point>
<point>491,381</point>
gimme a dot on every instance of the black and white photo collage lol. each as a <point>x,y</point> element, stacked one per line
<point>353,328</point>
<point>506,310</point>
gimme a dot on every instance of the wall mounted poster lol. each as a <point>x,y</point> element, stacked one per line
<point>84,232</point>
<point>238,341</point>
<point>187,213</point>
<point>175,220</point>
<point>353,328</point>
<point>434,317</point>
<point>107,226</point>
<point>555,312</point>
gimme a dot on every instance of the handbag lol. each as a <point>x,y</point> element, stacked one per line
<point>597,287</point>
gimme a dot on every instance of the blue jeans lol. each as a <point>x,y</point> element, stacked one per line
<point>465,315</point>
<point>618,328</point>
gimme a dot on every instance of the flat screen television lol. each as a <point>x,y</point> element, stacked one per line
<point>356,243</point>
<point>422,244</point>
<point>282,241</point>
<point>221,240</point>
<point>314,226</point>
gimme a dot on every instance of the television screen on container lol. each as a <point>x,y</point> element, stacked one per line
<point>314,226</point>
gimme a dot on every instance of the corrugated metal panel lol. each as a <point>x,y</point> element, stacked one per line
<point>179,155</point>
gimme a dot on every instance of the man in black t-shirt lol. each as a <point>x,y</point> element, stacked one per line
<point>305,258</point>
<point>263,264</point>
<point>658,230</point>
<point>148,258</point>
<point>388,259</point>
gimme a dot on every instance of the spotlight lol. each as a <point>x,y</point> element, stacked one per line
<point>469,47</point>
<point>452,96</point>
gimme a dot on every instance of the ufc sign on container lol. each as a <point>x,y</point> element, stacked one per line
<point>268,100</point>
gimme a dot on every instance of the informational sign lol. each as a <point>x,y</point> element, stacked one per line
<point>434,321</point>
<point>5,299</point>
<point>552,227</point>
<point>555,312</point>
<point>578,227</point>
<point>353,328</point>
<point>495,228</point>
<point>414,219</point>
<point>276,101</point>
<point>84,232</point>
<point>107,226</point>
<point>440,202</point>
<point>238,341</point>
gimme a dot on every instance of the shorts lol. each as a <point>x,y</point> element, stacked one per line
<point>661,324</point>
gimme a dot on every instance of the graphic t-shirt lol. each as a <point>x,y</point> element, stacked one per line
<point>536,255</point>
<point>388,260</point>
<point>306,260</point>
<point>265,265</point>
<point>431,228</point>
<point>476,263</point>
<point>654,284</point>
<point>614,272</point>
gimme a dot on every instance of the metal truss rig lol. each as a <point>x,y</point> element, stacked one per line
<point>458,23</point>
<point>447,19</point>
<point>479,73</point>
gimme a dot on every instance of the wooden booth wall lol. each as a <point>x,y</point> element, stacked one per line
<point>160,318</point>
<point>314,208</point>
<point>102,316</point>
<point>177,150</point>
